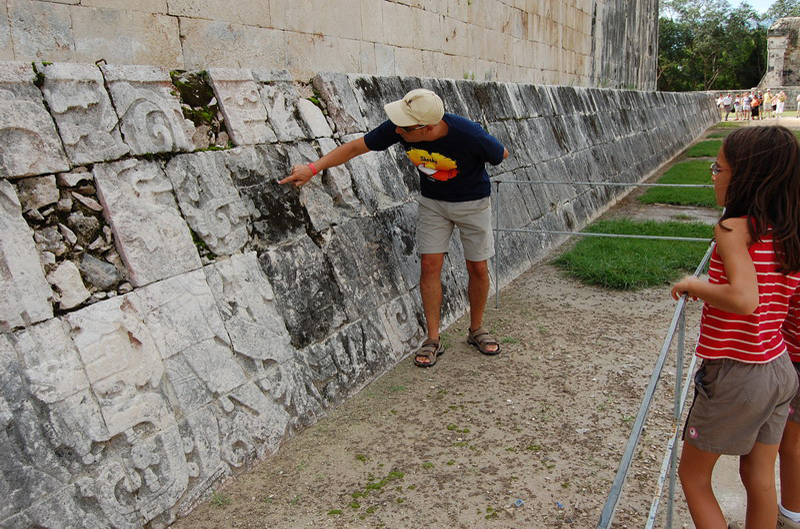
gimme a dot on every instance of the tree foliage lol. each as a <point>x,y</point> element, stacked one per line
<point>711,45</point>
<point>783,9</point>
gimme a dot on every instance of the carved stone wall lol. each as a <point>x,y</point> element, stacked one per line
<point>605,43</point>
<point>783,54</point>
<point>169,314</point>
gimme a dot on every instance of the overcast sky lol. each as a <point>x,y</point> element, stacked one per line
<point>758,5</point>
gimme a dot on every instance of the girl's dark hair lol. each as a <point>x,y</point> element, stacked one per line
<point>765,186</point>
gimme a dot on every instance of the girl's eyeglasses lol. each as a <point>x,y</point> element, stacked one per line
<point>714,169</point>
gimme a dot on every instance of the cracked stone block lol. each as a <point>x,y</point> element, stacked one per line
<point>66,278</point>
<point>241,105</point>
<point>247,305</point>
<point>364,265</point>
<point>308,296</point>
<point>341,102</point>
<point>280,100</point>
<point>149,110</point>
<point>275,210</point>
<point>24,291</point>
<point>210,202</point>
<point>313,118</point>
<point>82,108</point>
<point>31,145</point>
<point>151,236</point>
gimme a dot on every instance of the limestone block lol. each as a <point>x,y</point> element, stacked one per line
<point>248,13</point>
<point>293,15</point>
<point>151,469</point>
<point>31,143</point>
<point>364,266</point>
<point>150,114</point>
<point>6,51</point>
<point>126,36</point>
<point>313,118</point>
<point>248,309</point>
<point>148,6</point>
<point>276,211</point>
<point>344,21</point>
<point>241,104</point>
<point>307,294</point>
<point>399,223</point>
<point>245,46</point>
<point>183,319</point>
<point>66,278</point>
<point>82,109</point>
<point>341,102</point>
<point>122,362</point>
<point>252,427</point>
<point>57,510</point>
<point>280,99</point>
<point>339,184</point>
<point>24,292</point>
<point>151,237</point>
<point>373,93</point>
<point>339,363</point>
<point>41,30</point>
<point>37,192</point>
<point>384,60</point>
<point>209,201</point>
<point>382,179</point>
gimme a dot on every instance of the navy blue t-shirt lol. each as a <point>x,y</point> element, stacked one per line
<point>452,168</point>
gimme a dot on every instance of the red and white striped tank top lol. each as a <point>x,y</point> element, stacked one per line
<point>755,338</point>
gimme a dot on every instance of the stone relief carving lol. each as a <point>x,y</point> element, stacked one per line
<point>209,201</point>
<point>151,237</point>
<point>148,108</point>
<point>241,104</point>
<point>82,108</point>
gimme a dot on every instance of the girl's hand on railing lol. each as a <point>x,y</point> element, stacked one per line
<point>684,286</point>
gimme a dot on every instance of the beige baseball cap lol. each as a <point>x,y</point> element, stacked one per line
<point>418,107</point>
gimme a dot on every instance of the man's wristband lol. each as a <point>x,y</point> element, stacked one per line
<point>313,169</point>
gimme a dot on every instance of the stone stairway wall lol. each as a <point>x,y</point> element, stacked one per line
<point>170,315</point>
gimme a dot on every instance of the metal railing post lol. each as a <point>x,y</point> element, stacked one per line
<point>676,415</point>
<point>497,248</point>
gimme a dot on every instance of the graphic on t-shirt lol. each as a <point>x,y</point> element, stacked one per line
<point>434,165</point>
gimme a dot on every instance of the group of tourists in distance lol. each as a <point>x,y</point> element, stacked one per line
<point>754,105</point>
<point>747,401</point>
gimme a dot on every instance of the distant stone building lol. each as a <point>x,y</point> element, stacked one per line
<point>783,60</point>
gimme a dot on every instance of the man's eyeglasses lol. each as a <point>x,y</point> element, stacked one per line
<point>412,129</point>
<point>714,169</point>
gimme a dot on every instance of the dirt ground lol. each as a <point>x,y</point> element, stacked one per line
<point>531,438</point>
<point>457,445</point>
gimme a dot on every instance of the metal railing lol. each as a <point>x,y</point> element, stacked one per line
<point>678,325</point>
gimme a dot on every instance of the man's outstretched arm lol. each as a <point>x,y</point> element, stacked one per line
<point>301,174</point>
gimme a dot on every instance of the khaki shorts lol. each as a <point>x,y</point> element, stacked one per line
<point>794,407</point>
<point>436,220</point>
<point>736,404</point>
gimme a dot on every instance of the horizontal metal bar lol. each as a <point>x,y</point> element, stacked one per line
<point>610,184</point>
<point>613,235</point>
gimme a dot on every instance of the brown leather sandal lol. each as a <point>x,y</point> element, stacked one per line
<point>481,338</point>
<point>431,349</point>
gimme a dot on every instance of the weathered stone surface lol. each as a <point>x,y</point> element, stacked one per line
<point>37,192</point>
<point>209,201</point>
<point>314,119</point>
<point>100,274</point>
<point>341,102</point>
<point>24,292</point>
<point>66,278</point>
<point>280,99</point>
<point>308,295</point>
<point>30,142</point>
<point>247,306</point>
<point>241,104</point>
<point>41,30</point>
<point>150,114</point>
<point>82,109</point>
<point>275,211</point>
<point>137,197</point>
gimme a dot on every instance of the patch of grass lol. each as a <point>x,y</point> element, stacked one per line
<point>704,148</point>
<point>333,512</point>
<point>630,264</point>
<point>692,172</point>
<point>219,499</point>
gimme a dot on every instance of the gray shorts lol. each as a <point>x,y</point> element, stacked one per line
<point>794,407</point>
<point>436,220</point>
<point>736,404</point>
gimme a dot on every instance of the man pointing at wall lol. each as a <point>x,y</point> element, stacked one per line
<point>450,153</point>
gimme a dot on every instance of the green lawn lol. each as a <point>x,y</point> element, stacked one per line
<point>630,264</point>
<point>704,149</point>
<point>691,172</point>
